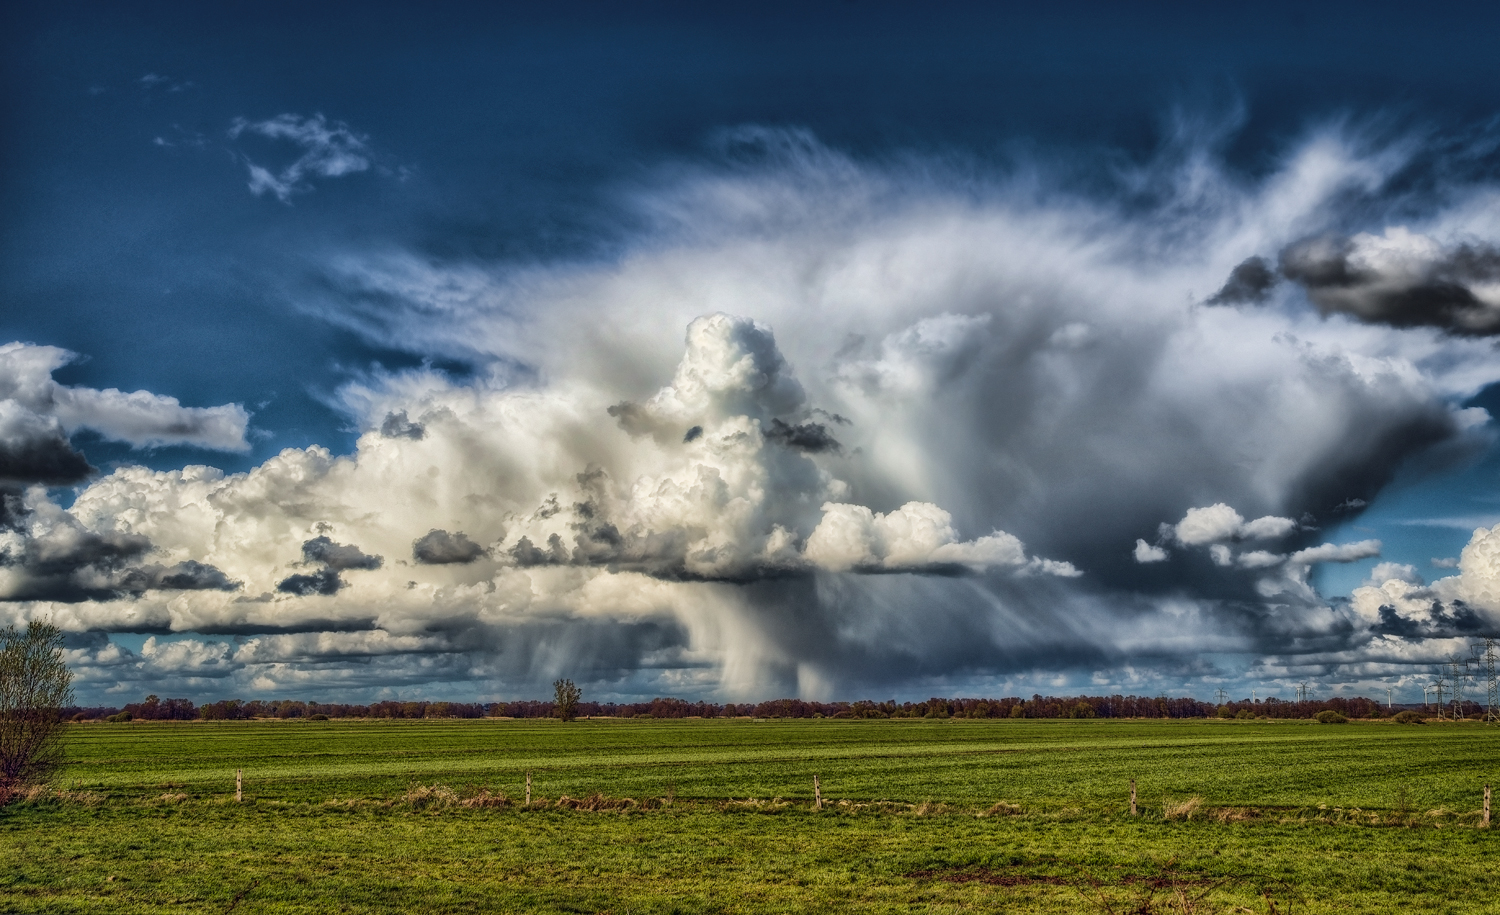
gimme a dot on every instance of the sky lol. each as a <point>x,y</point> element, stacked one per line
<point>837,350</point>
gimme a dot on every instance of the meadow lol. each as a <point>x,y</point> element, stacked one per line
<point>719,816</point>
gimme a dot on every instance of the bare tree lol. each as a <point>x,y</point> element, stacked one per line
<point>35,686</point>
<point>568,697</point>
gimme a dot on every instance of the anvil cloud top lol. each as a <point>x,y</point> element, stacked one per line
<point>361,350</point>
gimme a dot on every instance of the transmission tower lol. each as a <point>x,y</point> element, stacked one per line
<point>1302,691</point>
<point>1492,695</point>
<point>1438,686</point>
<point>1460,673</point>
<point>1221,695</point>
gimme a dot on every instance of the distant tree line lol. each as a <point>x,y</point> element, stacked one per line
<point>153,708</point>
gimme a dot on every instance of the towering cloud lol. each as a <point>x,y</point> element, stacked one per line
<point>914,434</point>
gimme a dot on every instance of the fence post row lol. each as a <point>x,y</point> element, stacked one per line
<point>528,789</point>
<point>1132,798</point>
<point>1485,820</point>
<point>817,794</point>
<point>239,786</point>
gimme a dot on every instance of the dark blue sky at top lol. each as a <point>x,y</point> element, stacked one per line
<point>507,132</point>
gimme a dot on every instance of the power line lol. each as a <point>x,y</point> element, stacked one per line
<point>1458,673</point>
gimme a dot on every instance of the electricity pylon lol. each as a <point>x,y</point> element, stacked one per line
<point>1438,686</point>
<point>1458,672</point>
<point>1221,695</point>
<point>1492,695</point>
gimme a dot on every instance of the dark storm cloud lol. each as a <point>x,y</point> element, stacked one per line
<point>525,553</point>
<point>339,557</point>
<point>396,425</point>
<point>438,547</point>
<point>40,455</point>
<point>189,575</point>
<point>1442,621</point>
<point>323,581</point>
<point>1249,282</point>
<point>811,437</point>
<point>58,557</point>
<point>1411,285</point>
<point>70,564</point>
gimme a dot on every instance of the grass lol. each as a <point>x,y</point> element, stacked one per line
<point>716,816</point>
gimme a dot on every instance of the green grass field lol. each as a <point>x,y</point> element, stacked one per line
<point>717,816</point>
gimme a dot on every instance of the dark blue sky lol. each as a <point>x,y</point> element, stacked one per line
<point>517,126</point>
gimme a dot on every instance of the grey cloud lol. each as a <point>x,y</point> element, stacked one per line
<point>636,420</point>
<point>34,449</point>
<point>1442,621</point>
<point>810,437</point>
<point>1249,282</point>
<point>53,557</point>
<point>525,553</point>
<point>339,557</point>
<point>188,575</point>
<point>1401,279</point>
<point>438,547</point>
<point>322,581</point>
<point>396,425</point>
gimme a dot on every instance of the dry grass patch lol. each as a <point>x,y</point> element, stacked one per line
<point>597,802</point>
<point>756,805</point>
<point>422,797</point>
<point>1181,810</point>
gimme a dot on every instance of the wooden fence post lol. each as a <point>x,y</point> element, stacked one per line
<point>1132,798</point>
<point>1485,822</point>
<point>817,794</point>
<point>528,789</point>
<point>239,786</point>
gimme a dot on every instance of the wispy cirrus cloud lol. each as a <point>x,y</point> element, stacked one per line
<point>327,150</point>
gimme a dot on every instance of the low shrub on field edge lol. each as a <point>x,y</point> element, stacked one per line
<point>1408,717</point>
<point>1329,716</point>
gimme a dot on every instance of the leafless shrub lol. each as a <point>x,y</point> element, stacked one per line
<point>35,685</point>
